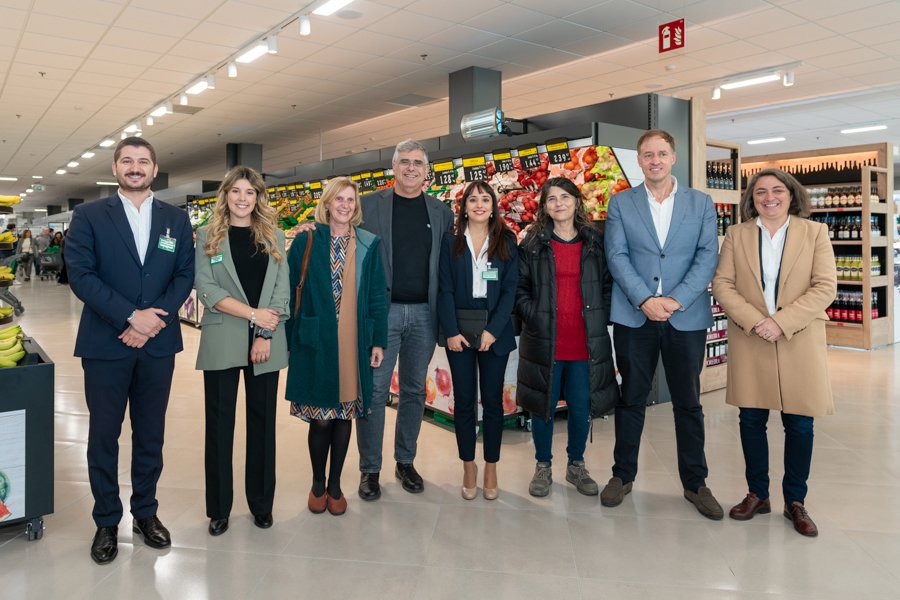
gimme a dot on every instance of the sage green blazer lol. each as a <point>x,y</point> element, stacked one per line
<point>223,337</point>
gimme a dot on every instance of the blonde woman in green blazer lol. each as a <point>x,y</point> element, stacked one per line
<point>242,279</point>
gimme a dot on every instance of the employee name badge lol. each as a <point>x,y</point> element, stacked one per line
<point>490,274</point>
<point>216,259</point>
<point>166,242</point>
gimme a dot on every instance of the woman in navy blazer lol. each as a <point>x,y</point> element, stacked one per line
<point>478,270</point>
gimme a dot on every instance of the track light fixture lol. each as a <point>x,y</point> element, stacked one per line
<point>305,25</point>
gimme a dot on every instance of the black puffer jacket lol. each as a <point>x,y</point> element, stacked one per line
<point>536,307</point>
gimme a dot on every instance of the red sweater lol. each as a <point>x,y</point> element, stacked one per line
<point>571,336</point>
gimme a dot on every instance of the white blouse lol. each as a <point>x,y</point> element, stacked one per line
<point>480,264</point>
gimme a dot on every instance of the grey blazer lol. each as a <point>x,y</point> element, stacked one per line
<point>223,337</point>
<point>377,209</point>
<point>685,263</point>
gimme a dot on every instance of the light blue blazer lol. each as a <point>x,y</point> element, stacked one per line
<point>637,261</point>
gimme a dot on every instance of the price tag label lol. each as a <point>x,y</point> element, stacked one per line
<point>474,167</point>
<point>380,179</point>
<point>529,157</point>
<point>366,184</point>
<point>444,173</point>
<point>558,151</point>
<point>315,189</point>
<point>503,160</point>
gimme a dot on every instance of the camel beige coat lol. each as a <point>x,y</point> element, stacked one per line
<point>790,375</point>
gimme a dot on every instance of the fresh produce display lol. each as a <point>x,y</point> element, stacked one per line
<point>5,311</point>
<point>11,349</point>
<point>8,237</point>
<point>9,200</point>
<point>6,274</point>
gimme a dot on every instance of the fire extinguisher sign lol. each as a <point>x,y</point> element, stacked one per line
<point>671,36</point>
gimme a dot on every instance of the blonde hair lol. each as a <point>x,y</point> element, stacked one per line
<point>332,189</point>
<point>262,219</point>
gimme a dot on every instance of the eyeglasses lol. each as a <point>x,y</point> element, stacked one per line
<point>406,163</point>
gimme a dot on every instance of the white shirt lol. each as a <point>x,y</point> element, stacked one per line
<point>139,221</point>
<point>772,249</point>
<point>662,218</point>
<point>480,264</point>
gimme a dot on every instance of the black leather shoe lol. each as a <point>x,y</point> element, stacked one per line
<point>153,531</point>
<point>218,526</point>
<point>368,487</point>
<point>105,546</point>
<point>263,521</point>
<point>409,478</point>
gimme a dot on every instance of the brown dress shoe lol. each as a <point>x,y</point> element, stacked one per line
<point>316,504</point>
<point>749,506</point>
<point>336,506</point>
<point>803,524</point>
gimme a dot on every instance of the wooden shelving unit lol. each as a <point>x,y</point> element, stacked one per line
<point>870,333</point>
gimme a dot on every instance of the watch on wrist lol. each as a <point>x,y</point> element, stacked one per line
<point>131,316</point>
<point>265,334</point>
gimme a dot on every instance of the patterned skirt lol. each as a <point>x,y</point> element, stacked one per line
<point>348,410</point>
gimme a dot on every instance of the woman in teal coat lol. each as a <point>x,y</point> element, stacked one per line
<point>329,379</point>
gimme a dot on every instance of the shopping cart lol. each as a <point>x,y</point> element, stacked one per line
<point>6,294</point>
<point>51,262</point>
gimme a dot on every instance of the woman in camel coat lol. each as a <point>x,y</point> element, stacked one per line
<point>776,276</point>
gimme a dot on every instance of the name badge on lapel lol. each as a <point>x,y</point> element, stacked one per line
<point>490,274</point>
<point>216,259</point>
<point>166,242</point>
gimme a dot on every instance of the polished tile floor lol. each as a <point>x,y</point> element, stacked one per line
<point>437,545</point>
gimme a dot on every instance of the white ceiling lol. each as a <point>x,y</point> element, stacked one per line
<point>107,62</point>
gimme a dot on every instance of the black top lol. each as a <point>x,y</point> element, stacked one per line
<point>250,262</point>
<point>411,232</point>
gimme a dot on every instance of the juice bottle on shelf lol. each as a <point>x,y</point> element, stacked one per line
<point>876,266</point>
<point>845,307</point>
<point>875,312</point>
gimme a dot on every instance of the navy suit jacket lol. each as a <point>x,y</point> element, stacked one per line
<point>455,291</point>
<point>685,263</point>
<point>106,273</point>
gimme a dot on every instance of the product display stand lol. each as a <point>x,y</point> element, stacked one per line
<point>852,189</point>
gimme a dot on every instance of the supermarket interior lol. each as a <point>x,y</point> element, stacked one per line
<point>511,92</point>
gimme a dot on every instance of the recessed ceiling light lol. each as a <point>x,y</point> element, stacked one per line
<point>159,111</point>
<point>253,53</point>
<point>39,209</point>
<point>197,87</point>
<point>766,140</point>
<point>106,143</point>
<point>107,183</point>
<point>88,155</point>
<point>733,85</point>
<point>22,194</point>
<point>331,7</point>
<point>72,164</point>
<point>864,129</point>
<point>37,176</point>
<point>29,190</point>
<point>60,171</point>
<point>132,128</point>
<point>9,178</point>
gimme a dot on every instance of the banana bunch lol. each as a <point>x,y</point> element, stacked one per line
<point>6,274</point>
<point>9,200</point>
<point>11,348</point>
<point>8,237</point>
<point>5,311</point>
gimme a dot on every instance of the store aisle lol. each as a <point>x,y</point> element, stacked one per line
<point>437,545</point>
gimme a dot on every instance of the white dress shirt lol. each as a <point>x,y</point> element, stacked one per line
<point>139,220</point>
<point>662,218</point>
<point>772,249</point>
<point>480,264</point>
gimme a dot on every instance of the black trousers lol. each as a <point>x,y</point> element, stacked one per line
<point>141,383</point>
<point>260,391</point>
<point>637,353</point>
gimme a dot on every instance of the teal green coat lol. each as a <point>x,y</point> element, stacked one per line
<point>312,336</point>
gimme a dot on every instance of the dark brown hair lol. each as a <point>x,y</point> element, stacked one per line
<point>800,204</point>
<point>665,135</point>
<point>134,141</point>
<point>498,232</point>
<point>542,220</point>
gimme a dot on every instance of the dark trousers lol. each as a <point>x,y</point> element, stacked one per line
<point>637,353</point>
<point>575,375</point>
<point>260,393</point>
<point>141,382</point>
<point>485,370</point>
<point>798,447</point>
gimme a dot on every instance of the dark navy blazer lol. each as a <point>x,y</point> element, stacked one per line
<point>106,273</point>
<point>455,291</point>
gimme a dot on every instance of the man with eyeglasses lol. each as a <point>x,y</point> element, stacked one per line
<point>411,224</point>
<point>662,249</point>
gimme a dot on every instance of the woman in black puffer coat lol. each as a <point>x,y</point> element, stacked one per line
<point>563,300</point>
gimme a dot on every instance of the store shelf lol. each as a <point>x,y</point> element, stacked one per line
<point>880,281</point>
<point>714,377</point>
<point>5,320</point>
<point>716,336</point>
<point>724,196</point>
<point>838,209</point>
<point>846,242</point>
<point>6,210</point>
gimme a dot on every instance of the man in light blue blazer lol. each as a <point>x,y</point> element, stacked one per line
<point>662,250</point>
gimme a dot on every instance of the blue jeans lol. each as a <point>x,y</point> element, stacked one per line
<point>411,337</point>
<point>798,446</point>
<point>578,401</point>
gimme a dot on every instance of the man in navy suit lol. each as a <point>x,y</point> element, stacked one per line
<point>130,259</point>
<point>662,250</point>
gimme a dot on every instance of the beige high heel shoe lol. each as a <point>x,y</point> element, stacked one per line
<point>470,493</point>
<point>490,493</point>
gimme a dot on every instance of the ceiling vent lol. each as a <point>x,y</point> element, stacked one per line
<point>179,109</point>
